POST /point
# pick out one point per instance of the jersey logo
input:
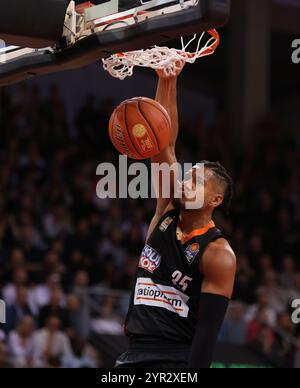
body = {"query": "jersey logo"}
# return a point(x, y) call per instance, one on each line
point(148, 293)
point(150, 260)
point(191, 252)
point(165, 224)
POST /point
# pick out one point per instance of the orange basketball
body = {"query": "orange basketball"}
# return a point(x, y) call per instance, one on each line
point(140, 128)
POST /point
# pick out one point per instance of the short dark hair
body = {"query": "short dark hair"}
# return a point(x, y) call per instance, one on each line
point(222, 175)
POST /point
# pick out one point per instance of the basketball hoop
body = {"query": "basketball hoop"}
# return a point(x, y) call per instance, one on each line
point(122, 65)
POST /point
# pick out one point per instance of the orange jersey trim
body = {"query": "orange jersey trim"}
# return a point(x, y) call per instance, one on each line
point(197, 232)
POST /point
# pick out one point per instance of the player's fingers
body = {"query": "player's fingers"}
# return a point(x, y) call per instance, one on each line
point(179, 65)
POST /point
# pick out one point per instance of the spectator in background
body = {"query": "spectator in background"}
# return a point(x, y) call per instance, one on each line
point(83, 239)
point(264, 343)
point(74, 316)
point(294, 292)
point(32, 158)
point(15, 312)
point(255, 248)
point(277, 296)
point(17, 260)
point(55, 307)
point(135, 240)
point(20, 344)
point(4, 361)
point(30, 241)
point(127, 277)
point(259, 321)
point(41, 294)
point(265, 265)
point(287, 272)
point(2, 336)
point(262, 304)
point(58, 247)
point(286, 330)
point(234, 330)
point(51, 345)
point(80, 357)
point(81, 280)
point(52, 264)
point(244, 287)
point(114, 248)
point(109, 321)
point(58, 222)
point(80, 290)
point(244, 268)
point(19, 279)
point(75, 262)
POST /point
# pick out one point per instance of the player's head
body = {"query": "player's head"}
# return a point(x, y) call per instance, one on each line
point(206, 186)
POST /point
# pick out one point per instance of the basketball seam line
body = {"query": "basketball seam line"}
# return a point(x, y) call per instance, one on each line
point(163, 111)
point(149, 123)
point(111, 122)
point(129, 133)
point(111, 129)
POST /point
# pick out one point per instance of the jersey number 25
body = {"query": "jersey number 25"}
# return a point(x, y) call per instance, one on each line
point(180, 280)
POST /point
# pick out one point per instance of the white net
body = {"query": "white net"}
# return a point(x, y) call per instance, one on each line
point(122, 65)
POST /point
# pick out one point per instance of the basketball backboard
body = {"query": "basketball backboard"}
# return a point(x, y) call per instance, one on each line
point(94, 30)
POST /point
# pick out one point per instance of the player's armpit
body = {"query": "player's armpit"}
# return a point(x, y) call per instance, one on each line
point(219, 269)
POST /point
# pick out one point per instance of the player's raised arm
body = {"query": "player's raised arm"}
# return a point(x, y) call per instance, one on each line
point(166, 95)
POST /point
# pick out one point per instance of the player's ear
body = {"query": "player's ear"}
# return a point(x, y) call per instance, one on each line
point(216, 200)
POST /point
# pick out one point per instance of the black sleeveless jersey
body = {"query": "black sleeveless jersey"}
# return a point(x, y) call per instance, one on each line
point(165, 298)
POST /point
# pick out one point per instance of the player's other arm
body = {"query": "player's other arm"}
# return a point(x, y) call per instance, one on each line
point(166, 95)
point(219, 268)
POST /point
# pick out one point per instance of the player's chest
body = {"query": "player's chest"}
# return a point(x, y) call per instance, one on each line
point(165, 259)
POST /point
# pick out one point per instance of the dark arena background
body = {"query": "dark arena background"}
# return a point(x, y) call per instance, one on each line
point(68, 259)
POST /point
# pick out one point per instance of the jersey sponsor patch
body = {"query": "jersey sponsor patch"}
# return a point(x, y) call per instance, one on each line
point(150, 259)
point(165, 224)
point(148, 293)
point(191, 252)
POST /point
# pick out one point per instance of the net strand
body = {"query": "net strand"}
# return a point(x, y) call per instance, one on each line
point(122, 65)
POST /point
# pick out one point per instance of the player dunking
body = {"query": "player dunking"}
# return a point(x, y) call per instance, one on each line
point(186, 272)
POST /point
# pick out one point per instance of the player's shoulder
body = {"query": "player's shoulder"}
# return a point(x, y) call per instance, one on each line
point(220, 244)
point(219, 253)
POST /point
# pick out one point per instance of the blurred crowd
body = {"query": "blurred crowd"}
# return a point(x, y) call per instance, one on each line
point(58, 240)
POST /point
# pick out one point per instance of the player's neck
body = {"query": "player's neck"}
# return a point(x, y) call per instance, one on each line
point(191, 220)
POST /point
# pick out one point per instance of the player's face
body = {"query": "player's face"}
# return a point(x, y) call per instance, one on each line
point(198, 190)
